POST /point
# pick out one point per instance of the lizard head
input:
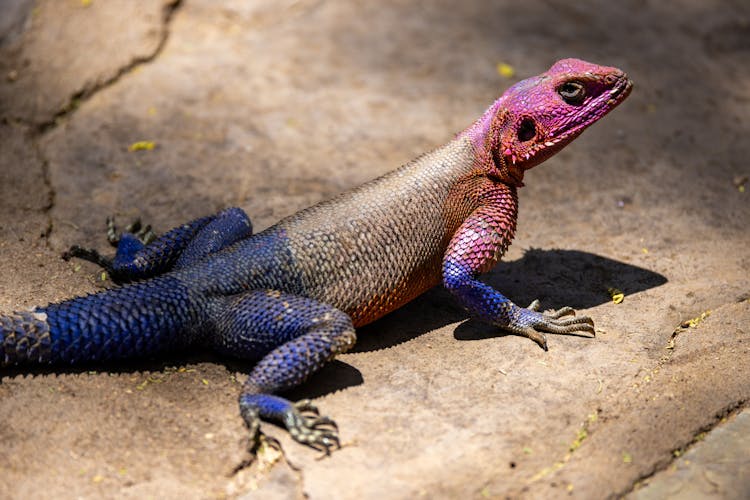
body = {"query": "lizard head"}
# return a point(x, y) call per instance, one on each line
point(537, 117)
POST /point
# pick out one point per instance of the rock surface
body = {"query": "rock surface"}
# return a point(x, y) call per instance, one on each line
point(273, 106)
point(718, 466)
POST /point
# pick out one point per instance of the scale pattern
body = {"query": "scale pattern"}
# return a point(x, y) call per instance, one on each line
point(135, 320)
point(371, 250)
point(476, 247)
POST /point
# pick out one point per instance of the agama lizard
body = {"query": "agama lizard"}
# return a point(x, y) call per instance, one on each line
point(290, 297)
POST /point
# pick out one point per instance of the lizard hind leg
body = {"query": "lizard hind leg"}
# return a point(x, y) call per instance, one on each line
point(225, 228)
point(140, 254)
point(292, 337)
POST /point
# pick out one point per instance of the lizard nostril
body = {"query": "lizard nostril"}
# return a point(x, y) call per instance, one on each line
point(611, 79)
point(526, 130)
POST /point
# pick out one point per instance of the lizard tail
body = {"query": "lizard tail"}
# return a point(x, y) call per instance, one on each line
point(134, 320)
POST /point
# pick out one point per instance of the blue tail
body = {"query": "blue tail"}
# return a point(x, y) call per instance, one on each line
point(135, 320)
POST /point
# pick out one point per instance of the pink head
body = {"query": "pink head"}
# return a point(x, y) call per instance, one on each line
point(537, 117)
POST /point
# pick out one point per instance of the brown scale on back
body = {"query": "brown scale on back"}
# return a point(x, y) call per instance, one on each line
point(393, 232)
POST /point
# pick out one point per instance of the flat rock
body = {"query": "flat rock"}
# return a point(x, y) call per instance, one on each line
point(53, 53)
point(718, 466)
point(273, 106)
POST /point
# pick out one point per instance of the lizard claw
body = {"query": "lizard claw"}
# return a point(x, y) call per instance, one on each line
point(301, 419)
point(531, 323)
point(142, 233)
point(552, 313)
point(559, 313)
point(313, 430)
point(306, 405)
point(534, 306)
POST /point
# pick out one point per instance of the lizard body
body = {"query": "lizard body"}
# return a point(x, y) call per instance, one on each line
point(291, 296)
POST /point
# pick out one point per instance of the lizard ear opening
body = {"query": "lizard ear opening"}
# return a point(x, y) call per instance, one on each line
point(526, 130)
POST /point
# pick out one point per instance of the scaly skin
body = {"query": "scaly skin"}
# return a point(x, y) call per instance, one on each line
point(291, 296)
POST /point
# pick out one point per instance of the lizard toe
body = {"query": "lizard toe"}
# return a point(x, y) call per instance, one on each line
point(532, 324)
point(578, 325)
point(320, 433)
point(580, 320)
point(559, 313)
point(304, 405)
point(532, 333)
point(251, 416)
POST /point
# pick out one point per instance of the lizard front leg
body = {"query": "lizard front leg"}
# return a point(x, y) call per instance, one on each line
point(292, 337)
point(475, 248)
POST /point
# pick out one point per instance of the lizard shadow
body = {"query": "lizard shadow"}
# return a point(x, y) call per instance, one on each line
point(556, 277)
point(334, 376)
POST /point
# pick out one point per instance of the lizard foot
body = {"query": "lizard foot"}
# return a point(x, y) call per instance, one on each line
point(306, 426)
point(142, 233)
point(531, 323)
point(301, 419)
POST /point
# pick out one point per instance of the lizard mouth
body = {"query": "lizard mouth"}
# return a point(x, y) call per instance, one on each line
point(620, 91)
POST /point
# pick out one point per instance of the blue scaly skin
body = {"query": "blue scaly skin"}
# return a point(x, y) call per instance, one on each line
point(289, 298)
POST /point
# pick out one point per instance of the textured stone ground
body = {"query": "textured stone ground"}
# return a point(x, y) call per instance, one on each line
point(273, 106)
point(718, 466)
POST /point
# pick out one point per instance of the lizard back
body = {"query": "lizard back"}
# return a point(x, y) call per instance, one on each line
point(372, 249)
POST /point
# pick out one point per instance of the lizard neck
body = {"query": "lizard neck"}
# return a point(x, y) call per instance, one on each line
point(486, 135)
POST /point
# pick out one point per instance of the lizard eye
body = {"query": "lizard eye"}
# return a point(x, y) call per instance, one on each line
point(572, 92)
point(526, 130)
